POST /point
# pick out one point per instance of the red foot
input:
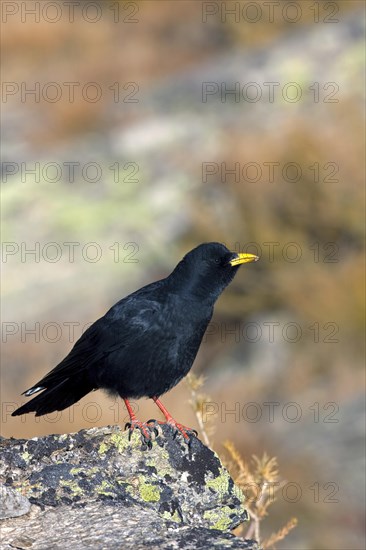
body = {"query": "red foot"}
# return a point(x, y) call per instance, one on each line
point(186, 432)
point(145, 427)
point(149, 427)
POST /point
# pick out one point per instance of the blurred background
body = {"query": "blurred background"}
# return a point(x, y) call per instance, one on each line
point(133, 131)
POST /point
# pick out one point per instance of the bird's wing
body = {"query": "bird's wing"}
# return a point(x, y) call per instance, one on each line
point(121, 327)
point(85, 352)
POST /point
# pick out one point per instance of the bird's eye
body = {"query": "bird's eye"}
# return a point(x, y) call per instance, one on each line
point(217, 261)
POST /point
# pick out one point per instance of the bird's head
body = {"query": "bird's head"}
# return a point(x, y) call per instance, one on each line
point(207, 269)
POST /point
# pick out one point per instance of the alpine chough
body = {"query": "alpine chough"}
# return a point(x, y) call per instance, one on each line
point(146, 343)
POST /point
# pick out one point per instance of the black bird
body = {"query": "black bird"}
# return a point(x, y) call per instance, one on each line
point(146, 343)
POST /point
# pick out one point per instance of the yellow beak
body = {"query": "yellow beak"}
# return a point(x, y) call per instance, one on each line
point(243, 259)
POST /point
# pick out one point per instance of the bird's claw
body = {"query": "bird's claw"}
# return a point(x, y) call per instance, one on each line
point(147, 442)
point(150, 427)
point(187, 433)
point(153, 425)
point(145, 430)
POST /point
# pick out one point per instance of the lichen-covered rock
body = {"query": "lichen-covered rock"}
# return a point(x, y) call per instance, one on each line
point(110, 487)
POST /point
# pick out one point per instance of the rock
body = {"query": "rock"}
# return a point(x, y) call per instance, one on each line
point(12, 503)
point(95, 489)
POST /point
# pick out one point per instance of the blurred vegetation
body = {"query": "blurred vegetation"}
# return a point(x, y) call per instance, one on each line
point(257, 482)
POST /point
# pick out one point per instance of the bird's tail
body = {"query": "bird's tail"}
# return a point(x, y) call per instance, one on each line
point(55, 398)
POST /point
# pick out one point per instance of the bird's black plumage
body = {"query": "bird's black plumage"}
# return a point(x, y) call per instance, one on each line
point(147, 342)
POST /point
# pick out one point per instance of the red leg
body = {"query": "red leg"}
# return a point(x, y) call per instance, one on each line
point(144, 427)
point(186, 432)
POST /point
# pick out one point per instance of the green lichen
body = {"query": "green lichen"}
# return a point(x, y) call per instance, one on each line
point(120, 441)
point(26, 456)
point(103, 448)
point(106, 489)
point(73, 486)
point(238, 493)
point(140, 487)
point(219, 519)
point(172, 517)
point(220, 484)
point(148, 492)
point(161, 462)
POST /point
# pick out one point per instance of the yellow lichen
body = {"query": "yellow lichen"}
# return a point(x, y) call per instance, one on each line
point(219, 519)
